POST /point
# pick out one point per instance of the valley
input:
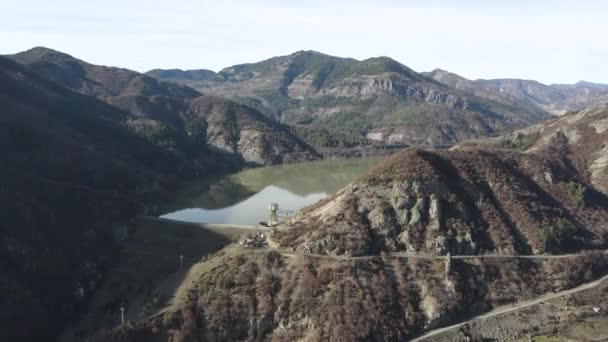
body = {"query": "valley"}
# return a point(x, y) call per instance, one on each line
point(352, 260)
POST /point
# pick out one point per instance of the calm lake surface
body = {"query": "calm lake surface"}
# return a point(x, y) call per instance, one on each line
point(243, 197)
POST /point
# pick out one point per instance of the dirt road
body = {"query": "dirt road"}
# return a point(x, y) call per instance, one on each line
point(514, 307)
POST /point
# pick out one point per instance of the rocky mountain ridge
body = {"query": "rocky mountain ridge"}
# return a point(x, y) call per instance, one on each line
point(377, 97)
point(555, 98)
point(82, 161)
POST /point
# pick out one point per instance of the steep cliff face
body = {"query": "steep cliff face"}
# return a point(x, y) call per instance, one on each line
point(515, 101)
point(392, 84)
point(378, 98)
point(461, 201)
point(175, 117)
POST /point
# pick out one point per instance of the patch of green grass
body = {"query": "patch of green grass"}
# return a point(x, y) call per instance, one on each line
point(521, 142)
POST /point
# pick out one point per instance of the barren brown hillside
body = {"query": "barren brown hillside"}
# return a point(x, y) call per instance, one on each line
point(466, 201)
point(249, 296)
point(581, 137)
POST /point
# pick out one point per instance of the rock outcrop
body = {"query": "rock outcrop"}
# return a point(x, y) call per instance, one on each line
point(459, 202)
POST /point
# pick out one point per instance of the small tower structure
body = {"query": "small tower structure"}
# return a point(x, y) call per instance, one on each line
point(274, 216)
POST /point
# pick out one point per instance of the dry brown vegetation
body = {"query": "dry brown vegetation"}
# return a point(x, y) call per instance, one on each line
point(486, 201)
point(580, 137)
point(264, 296)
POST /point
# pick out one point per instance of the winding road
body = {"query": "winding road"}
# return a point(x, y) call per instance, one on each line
point(495, 312)
point(514, 307)
point(406, 255)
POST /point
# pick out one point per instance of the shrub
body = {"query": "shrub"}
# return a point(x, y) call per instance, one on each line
point(559, 237)
point(521, 142)
point(577, 191)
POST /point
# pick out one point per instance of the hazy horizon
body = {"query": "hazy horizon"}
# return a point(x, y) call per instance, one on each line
point(548, 41)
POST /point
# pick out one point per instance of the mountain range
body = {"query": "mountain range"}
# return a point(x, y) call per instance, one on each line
point(86, 148)
point(379, 98)
point(555, 98)
point(175, 117)
point(384, 100)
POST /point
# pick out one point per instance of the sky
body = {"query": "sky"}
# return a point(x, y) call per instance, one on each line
point(552, 41)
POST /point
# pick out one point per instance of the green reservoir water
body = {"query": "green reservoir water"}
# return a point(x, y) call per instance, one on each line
point(243, 197)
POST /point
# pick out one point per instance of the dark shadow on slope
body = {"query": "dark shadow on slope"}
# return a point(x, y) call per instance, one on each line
point(549, 201)
point(449, 173)
point(147, 272)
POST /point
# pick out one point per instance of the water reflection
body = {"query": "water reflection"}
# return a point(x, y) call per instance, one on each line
point(243, 198)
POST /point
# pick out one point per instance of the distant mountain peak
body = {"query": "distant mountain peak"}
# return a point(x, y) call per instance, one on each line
point(344, 93)
point(42, 53)
point(439, 70)
point(308, 52)
point(45, 50)
point(381, 59)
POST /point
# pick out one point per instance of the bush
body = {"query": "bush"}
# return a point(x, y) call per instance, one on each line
point(521, 142)
point(577, 191)
point(559, 237)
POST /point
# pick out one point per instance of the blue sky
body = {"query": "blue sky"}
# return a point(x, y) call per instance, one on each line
point(559, 41)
